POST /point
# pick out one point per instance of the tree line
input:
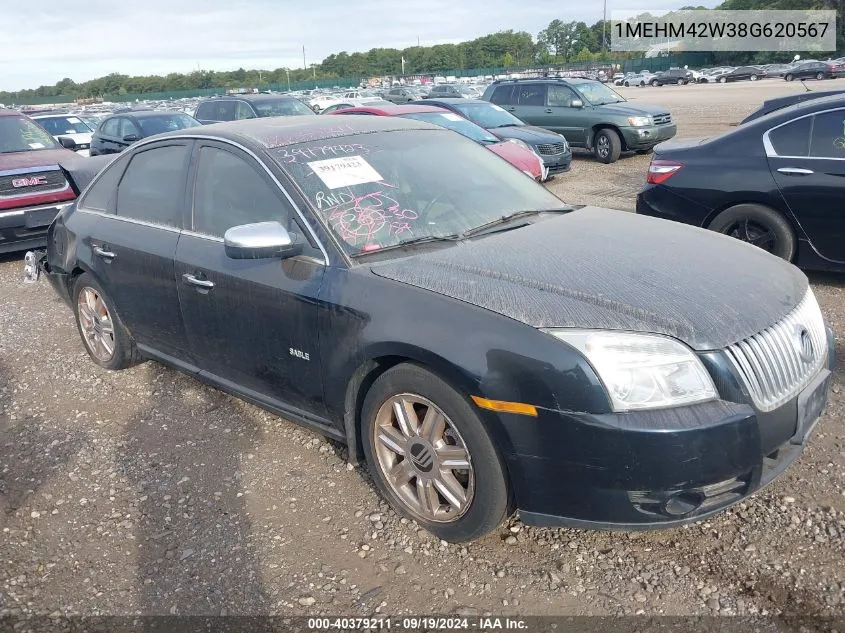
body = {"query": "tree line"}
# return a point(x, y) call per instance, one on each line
point(561, 42)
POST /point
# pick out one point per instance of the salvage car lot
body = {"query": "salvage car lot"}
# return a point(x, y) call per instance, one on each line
point(146, 491)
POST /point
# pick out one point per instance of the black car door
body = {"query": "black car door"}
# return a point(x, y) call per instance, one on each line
point(807, 159)
point(251, 323)
point(129, 133)
point(134, 218)
point(103, 142)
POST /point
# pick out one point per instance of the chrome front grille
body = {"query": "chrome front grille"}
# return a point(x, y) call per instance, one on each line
point(777, 363)
point(662, 119)
point(28, 183)
point(550, 149)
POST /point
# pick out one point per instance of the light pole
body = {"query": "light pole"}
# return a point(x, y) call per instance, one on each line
point(287, 71)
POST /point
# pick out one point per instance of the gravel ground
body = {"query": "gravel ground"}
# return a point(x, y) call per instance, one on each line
point(145, 492)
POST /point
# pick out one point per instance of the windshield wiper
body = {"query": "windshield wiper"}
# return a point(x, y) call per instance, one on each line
point(509, 218)
point(422, 239)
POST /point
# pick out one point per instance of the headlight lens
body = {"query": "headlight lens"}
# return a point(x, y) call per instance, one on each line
point(642, 371)
point(522, 144)
point(639, 121)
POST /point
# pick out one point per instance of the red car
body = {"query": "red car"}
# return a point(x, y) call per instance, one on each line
point(514, 151)
point(35, 183)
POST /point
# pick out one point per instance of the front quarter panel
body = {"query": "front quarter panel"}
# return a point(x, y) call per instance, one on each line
point(368, 318)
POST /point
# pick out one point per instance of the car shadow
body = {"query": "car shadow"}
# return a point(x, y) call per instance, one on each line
point(182, 456)
point(826, 278)
point(587, 155)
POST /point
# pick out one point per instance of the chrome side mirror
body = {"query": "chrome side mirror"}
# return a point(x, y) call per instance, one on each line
point(576, 103)
point(261, 240)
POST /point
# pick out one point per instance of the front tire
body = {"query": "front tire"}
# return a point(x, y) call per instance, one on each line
point(607, 146)
point(103, 334)
point(753, 77)
point(758, 225)
point(654, 83)
point(819, 76)
point(723, 80)
point(680, 82)
point(430, 455)
point(788, 78)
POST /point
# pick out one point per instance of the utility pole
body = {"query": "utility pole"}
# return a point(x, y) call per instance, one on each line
point(604, 27)
point(288, 74)
point(304, 67)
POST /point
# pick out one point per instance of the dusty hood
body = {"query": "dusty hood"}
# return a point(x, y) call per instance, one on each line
point(597, 268)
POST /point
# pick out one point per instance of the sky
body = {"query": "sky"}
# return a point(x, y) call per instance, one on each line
point(51, 39)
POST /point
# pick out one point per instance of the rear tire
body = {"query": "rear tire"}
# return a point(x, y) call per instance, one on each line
point(758, 225)
point(654, 83)
point(103, 334)
point(753, 77)
point(422, 491)
point(680, 82)
point(819, 76)
point(723, 80)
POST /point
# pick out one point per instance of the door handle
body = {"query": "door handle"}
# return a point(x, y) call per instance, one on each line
point(795, 171)
point(549, 111)
point(199, 283)
point(99, 251)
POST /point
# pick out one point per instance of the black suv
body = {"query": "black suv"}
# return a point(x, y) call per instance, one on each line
point(588, 113)
point(679, 76)
point(237, 107)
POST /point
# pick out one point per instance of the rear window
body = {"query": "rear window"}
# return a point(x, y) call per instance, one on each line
point(64, 125)
point(20, 134)
point(792, 139)
point(166, 123)
point(281, 107)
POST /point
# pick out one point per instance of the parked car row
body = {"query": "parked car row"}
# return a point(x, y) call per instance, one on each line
point(620, 390)
point(806, 69)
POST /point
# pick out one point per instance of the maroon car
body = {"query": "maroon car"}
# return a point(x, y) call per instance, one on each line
point(35, 181)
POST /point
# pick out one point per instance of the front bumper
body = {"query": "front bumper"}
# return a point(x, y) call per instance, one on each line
point(652, 469)
point(557, 163)
point(26, 228)
point(648, 136)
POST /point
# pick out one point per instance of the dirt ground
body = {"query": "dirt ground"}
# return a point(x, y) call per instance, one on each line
point(145, 492)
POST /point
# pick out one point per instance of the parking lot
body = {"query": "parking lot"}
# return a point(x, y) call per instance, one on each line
point(146, 492)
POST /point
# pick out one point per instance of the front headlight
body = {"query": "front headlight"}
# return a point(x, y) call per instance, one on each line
point(522, 144)
point(639, 121)
point(642, 371)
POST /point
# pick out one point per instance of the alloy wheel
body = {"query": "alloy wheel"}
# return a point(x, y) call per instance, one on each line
point(423, 458)
point(603, 146)
point(753, 233)
point(97, 325)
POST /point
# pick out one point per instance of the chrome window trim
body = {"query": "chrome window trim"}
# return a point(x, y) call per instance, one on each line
point(123, 218)
point(770, 149)
point(202, 236)
point(205, 137)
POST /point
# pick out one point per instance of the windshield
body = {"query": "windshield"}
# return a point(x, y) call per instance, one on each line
point(19, 134)
point(597, 93)
point(166, 123)
point(380, 189)
point(454, 122)
point(281, 107)
point(487, 115)
point(64, 125)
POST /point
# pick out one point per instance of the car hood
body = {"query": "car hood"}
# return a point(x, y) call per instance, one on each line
point(35, 158)
point(597, 268)
point(628, 109)
point(528, 133)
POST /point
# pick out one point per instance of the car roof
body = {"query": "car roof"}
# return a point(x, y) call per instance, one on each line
point(254, 97)
point(458, 100)
point(808, 106)
point(274, 132)
point(147, 114)
point(393, 110)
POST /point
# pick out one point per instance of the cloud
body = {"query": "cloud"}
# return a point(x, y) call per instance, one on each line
point(84, 39)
